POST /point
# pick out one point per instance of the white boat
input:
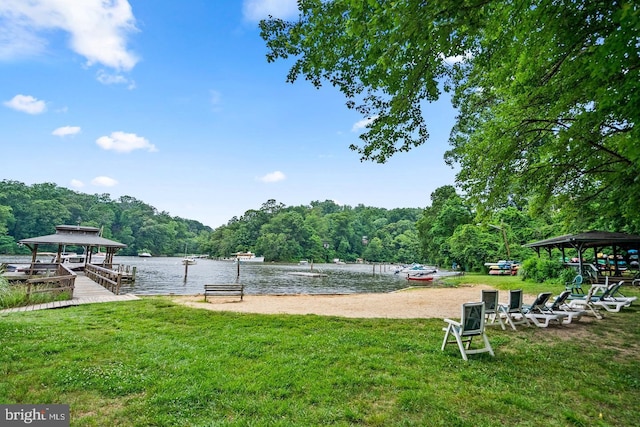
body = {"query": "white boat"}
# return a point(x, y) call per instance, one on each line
point(41, 258)
point(144, 255)
point(189, 260)
point(72, 261)
point(417, 270)
point(98, 258)
point(248, 257)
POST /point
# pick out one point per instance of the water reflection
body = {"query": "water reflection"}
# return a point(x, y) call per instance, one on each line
point(167, 275)
point(161, 275)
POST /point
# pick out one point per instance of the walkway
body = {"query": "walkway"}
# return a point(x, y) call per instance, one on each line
point(86, 292)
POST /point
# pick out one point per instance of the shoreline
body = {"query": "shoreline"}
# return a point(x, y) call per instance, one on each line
point(409, 303)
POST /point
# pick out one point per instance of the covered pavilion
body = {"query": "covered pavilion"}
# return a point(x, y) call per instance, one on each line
point(597, 240)
point(75, 235)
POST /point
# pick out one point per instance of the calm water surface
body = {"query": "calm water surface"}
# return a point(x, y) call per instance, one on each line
point(164, 275)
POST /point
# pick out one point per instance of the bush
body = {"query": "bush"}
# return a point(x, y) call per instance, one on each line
point(540, 270)
point(16, 295)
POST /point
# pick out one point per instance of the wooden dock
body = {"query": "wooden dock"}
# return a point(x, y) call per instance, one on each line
point(86, 292)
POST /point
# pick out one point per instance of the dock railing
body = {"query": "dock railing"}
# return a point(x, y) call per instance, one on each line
point(107, 278)
point(64, 280)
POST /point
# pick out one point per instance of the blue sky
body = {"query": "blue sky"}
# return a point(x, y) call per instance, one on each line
point(174, 103)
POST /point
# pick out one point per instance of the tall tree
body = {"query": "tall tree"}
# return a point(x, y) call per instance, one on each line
point(547, 90)
point(439, 221)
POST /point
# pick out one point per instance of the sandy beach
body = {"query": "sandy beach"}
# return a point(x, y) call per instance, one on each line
point(404, 304)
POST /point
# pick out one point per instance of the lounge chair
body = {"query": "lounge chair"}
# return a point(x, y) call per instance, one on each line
point(471, 325)
point(513, 311)
point(560, 306)
point(603, 300)
point(575, 286)
point(585, 303)
point(538, 313)
point(617, 295)
point(491, 310)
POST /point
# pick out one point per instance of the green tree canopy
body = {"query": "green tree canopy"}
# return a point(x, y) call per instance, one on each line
point(547, 91)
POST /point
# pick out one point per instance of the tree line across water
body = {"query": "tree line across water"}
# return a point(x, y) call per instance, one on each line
point(449, 230)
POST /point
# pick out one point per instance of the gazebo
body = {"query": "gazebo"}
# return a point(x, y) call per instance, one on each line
point(75, 235)
point(590, 239)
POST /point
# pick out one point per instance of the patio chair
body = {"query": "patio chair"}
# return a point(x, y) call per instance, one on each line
point(513, 311)
point(585, 303)
point(491, 311)
point(471, 325)
point(603, 300)
point(560, 306)
point(575, 286)
point(538, 313)
point(617, 295)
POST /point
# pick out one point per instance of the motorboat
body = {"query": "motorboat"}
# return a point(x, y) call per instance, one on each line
point(417, 270)
point(421, 278)
point(248, 257)
point(144, 255)
point(189, 260)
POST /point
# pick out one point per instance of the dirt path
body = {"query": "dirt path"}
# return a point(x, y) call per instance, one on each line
point(406, 304)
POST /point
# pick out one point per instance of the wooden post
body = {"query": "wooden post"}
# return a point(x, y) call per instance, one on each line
point(238, 268)
point(186, 269)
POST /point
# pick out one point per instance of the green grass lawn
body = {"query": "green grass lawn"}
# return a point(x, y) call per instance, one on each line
point(154, 363)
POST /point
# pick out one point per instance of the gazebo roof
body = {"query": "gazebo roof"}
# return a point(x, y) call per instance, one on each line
point(589, 239)
point(74, 235)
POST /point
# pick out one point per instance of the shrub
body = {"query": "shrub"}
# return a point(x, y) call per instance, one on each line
point(16, 295)
point(540, 270)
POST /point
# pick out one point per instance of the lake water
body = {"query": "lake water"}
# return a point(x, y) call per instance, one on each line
point(165, 275)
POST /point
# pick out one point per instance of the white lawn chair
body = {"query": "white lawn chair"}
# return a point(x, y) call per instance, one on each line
point(604, 300)
point(471, 325)
point(491, 308)
point(585, 303)
point(560, 306)
point(539, 314)
point(513, 311)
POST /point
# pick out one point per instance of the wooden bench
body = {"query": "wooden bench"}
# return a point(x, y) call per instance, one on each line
point(233, 289)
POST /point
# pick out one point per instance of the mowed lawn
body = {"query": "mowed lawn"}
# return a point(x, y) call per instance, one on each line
point(155, 363)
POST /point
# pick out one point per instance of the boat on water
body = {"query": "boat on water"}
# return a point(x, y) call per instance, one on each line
point(417, 270)
point(247, 257)
point(421, 277)
point(71, 260)
point(189, 260)
point(144, 255)
point(76, 262)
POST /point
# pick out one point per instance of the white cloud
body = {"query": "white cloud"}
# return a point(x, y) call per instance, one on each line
point(26, 104)
point(452, 60)
point(123, 142)
point(76, 183)
point(362, 124)
point(255, 10)
point(104, 181)
point(16, 41)
point(112, 79)
point(273, 177)
point(66, 130)
point(98, 29)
